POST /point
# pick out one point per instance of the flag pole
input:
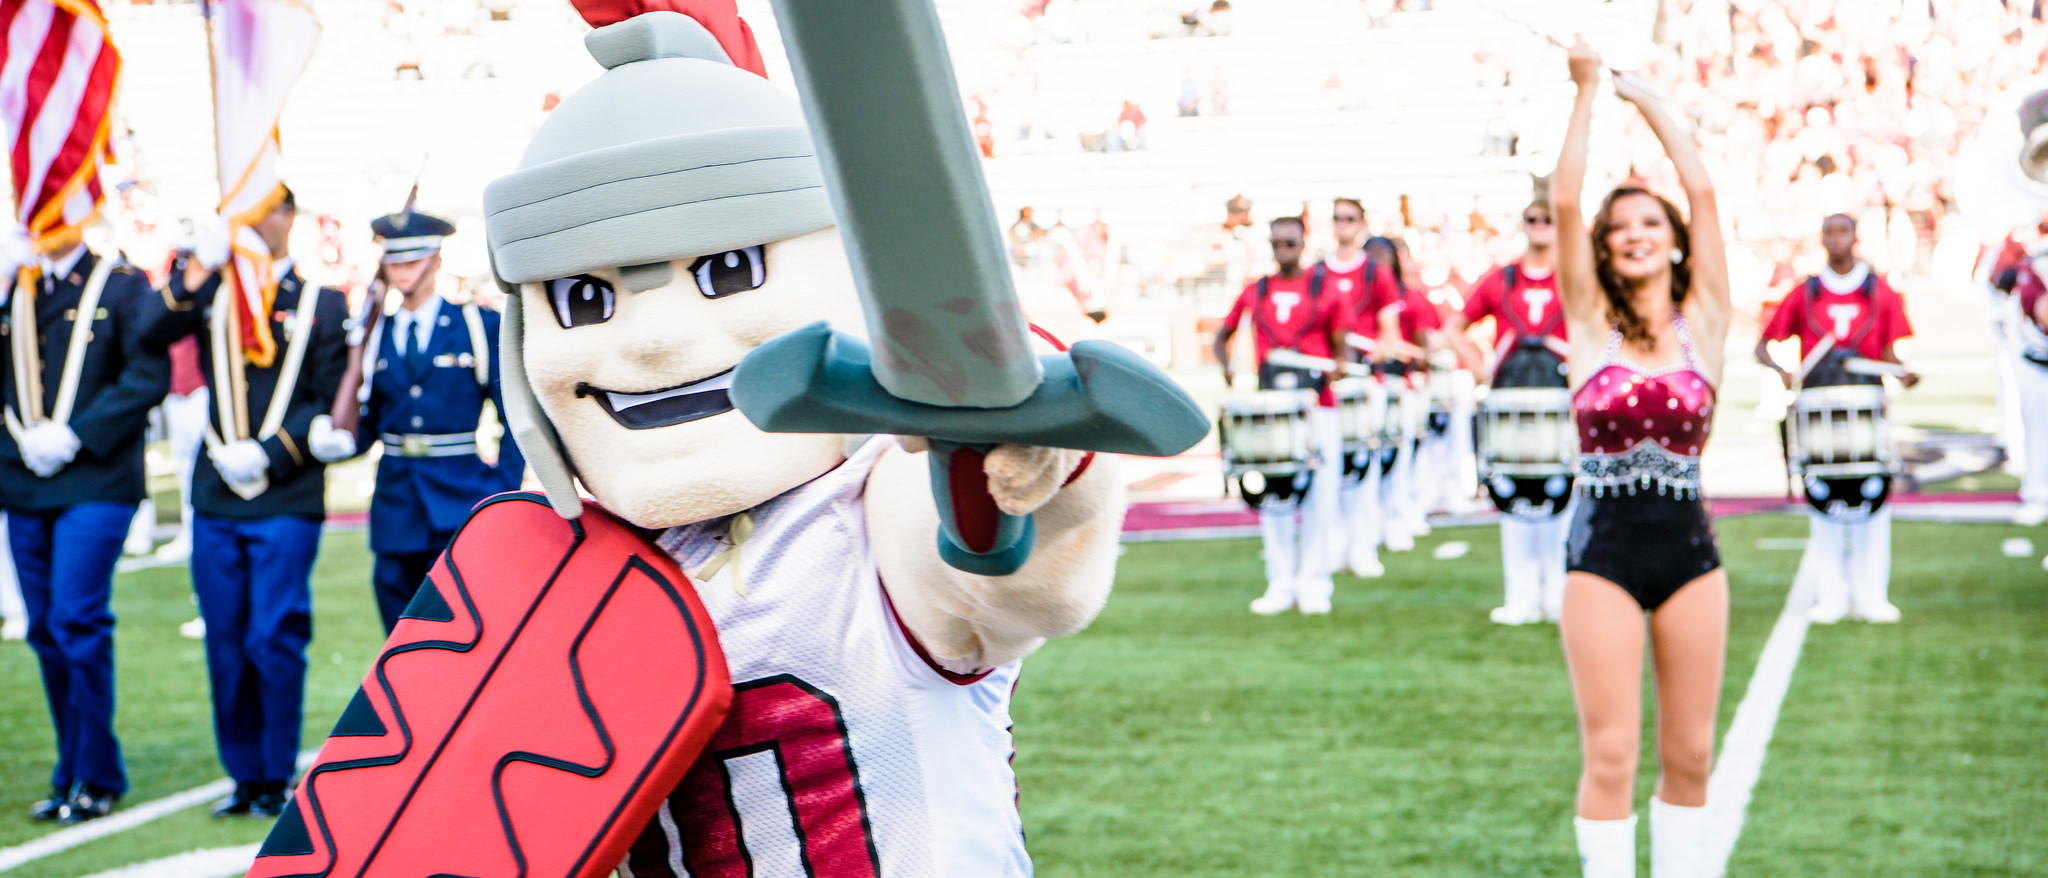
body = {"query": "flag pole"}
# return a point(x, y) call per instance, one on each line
point(234, 404)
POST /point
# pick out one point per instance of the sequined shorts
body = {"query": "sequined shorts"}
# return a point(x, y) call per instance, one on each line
point(1649, 543)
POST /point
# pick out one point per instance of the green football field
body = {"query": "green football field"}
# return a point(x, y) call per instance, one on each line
point(1402, 735)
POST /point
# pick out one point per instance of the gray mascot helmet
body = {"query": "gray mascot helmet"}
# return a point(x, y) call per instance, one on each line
point(672, 153)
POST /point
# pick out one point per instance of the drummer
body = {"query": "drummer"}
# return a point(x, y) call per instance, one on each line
point(1846, 311)
point(1529, 351)
point(1409, 331)
point(1364, 287)
point(1289, 310)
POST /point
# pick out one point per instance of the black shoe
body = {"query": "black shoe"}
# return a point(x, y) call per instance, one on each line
point(237, 803)
point(269, 803)
point(87, 802)
point(50, 808)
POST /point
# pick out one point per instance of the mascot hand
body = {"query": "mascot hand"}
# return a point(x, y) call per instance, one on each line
point(1021, 478)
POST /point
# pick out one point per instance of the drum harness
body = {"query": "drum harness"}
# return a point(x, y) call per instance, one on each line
point(1527, 337)
point(1269, 373)
point(1825, 364)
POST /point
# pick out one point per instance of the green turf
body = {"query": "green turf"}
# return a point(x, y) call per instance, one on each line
point(1918, 749)
point(1402, 735)
point(164, 717)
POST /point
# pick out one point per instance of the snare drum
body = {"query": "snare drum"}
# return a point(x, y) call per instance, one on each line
point(1839, 432)
point(1527, 447)
point(1361, 413)
point(1442, 395)
point(1266, 431)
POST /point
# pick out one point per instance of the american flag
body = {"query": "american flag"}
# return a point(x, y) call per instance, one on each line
point(57, 73)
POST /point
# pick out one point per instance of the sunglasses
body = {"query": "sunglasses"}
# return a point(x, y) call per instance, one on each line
point(1535, 219)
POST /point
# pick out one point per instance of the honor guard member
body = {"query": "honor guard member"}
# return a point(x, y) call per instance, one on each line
point(80, 381)
point(1288, 311)
point(1363, 286)
point(1529, 351)
point(1846, 311)
point(429, 370)
point(257, 494)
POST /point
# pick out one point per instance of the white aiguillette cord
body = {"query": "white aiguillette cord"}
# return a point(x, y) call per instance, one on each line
point(736, 534)
point(287, 378)
point(28, 361)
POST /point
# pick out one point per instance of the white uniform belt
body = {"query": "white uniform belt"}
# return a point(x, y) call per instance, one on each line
point(429, 444)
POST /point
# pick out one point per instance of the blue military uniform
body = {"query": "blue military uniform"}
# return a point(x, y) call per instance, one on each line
point(66, 529)
point(424, 403)
point(252, 557)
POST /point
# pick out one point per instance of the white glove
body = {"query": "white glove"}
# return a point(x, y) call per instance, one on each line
point(15, 252)
point(48, 447)
point(210, 241)
point(330, 444)
point(241, 462)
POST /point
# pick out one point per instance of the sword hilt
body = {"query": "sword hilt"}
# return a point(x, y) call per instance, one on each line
point(1095, 397)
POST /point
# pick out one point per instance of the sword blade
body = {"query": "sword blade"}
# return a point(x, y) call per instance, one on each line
point(906, 185)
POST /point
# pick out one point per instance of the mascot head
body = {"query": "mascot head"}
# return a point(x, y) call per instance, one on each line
point(665, 220)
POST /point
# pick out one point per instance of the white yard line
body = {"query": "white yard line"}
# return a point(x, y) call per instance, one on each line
point(121, 820)
point(209, 863)
point(1749, 735)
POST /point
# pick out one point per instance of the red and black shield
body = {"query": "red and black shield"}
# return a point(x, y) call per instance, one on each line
point(550, 684)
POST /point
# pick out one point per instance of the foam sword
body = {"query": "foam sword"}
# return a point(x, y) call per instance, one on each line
point(948, 353)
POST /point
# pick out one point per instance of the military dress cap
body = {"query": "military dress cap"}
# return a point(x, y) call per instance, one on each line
point(410, 235)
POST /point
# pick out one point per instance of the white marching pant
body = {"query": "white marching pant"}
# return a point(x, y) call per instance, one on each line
point(1360, 502)
point(1322, 517)
point(1849, 562)
point(185, 422)
point(1532, 562)
point(2030, 380)
point(1278, 531)
point(1402, 509)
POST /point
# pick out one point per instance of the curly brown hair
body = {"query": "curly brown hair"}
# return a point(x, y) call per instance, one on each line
point(1619, 302)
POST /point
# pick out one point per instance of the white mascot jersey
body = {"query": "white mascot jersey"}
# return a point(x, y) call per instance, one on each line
point(846, 752)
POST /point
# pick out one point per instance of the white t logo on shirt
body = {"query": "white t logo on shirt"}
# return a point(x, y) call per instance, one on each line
point(1844, 317)
point(1283, 304)
point(1537, 300)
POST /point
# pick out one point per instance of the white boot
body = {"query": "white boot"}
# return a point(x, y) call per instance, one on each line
point(1678, 840)
point(1312, 594)
point(1279, 598)
point(1607, 848)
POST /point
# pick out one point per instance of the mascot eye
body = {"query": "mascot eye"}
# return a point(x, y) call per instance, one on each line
point(734, 271)
point(580, 301)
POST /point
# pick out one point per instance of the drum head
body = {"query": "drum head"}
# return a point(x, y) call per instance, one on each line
point(1848, 499)
point(1530, 497)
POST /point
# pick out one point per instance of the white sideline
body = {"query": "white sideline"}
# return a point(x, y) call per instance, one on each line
point(1749, 734)
point(209, 863)
point(121, 820)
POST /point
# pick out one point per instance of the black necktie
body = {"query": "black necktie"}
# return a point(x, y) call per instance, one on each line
point(415, 353)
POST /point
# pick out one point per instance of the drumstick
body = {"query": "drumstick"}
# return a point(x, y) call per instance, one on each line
point(1298, 360)
point(1866, 366)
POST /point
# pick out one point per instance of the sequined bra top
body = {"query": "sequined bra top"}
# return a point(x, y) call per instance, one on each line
point(1640, 428)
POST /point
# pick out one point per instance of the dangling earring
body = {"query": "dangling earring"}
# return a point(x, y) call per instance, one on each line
point(1678, 257)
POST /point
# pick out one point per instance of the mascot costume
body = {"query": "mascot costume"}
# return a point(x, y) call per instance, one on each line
point(779, 633)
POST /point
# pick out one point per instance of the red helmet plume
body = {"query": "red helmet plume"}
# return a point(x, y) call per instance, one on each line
point(720, 17)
